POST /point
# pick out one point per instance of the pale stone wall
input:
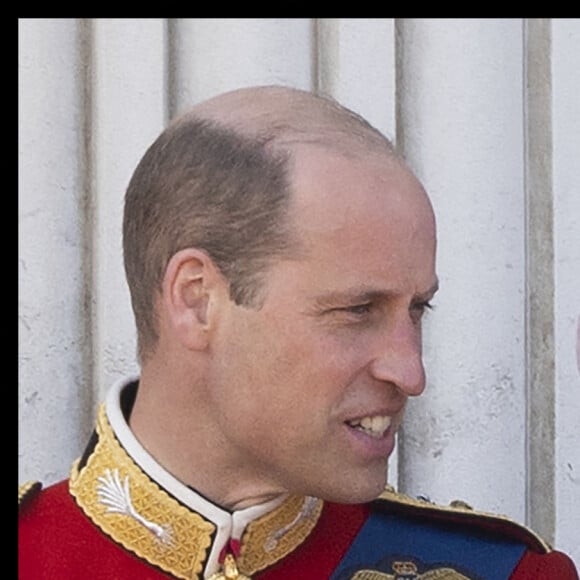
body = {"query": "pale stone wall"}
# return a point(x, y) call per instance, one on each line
point(488, 114)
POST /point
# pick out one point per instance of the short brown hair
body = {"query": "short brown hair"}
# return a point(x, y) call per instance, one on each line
point(201, 185)
point(226, 190)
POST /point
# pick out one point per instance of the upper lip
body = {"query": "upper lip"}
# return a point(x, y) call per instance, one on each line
point(380, 412)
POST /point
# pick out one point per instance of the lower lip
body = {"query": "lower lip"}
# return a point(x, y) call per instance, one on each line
point(372, 447)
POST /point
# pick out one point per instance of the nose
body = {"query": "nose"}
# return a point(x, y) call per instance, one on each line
point(399, 359)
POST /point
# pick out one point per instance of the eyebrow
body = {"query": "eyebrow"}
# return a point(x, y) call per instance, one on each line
point(430, 293)
point(367, 294)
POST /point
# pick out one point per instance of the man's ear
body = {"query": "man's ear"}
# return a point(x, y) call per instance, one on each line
point(189, 283)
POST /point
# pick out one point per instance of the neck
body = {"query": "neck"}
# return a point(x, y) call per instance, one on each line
point(173, 426)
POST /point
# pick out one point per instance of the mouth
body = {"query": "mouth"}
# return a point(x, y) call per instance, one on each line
point(374, 426)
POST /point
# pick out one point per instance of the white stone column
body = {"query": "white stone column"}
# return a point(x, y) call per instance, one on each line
point(54, 389)
point(213, 55)
point(461, 125)
point(540, 291)
point(566, 157)
point(356, 65)
point(128, 98)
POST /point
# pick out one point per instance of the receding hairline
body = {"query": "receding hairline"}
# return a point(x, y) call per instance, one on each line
point(282, 117)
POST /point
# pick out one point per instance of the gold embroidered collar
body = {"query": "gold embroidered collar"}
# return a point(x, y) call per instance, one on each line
point(131, 507)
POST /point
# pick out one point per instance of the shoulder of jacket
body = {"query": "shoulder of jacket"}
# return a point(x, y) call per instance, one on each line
point(27, 491)
point(461, 513)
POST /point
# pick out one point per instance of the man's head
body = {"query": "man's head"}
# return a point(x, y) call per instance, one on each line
point(288, 255)
point(218, 179)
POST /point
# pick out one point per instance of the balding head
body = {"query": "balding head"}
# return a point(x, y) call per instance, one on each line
point(218, 179)
point(287, 116)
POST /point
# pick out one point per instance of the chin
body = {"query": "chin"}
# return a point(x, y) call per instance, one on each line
point(357, 491)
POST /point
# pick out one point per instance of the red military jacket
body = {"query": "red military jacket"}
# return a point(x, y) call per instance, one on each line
point(120, 515)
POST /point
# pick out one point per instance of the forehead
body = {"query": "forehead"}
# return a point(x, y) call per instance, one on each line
point(361, 220)
point(334, 193)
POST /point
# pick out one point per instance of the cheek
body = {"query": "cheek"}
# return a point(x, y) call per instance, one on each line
point(261, 373)
point(282, 366)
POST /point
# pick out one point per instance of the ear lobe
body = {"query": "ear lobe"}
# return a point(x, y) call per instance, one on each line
point(186, 292)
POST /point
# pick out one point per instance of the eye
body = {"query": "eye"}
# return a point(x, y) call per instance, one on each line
point(358, 309)
point(418, 310)
point(353, 314)
point(362, 312)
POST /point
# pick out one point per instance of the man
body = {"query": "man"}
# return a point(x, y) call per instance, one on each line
point(280, 257)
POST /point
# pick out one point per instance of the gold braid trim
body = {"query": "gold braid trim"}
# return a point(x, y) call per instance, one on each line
point(458, 507)
point(438, 574)
point(152, 524)
point(135, 512)
point(28, 490)
point(278, 533)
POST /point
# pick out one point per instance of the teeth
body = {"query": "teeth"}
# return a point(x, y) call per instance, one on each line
point(373, 426)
